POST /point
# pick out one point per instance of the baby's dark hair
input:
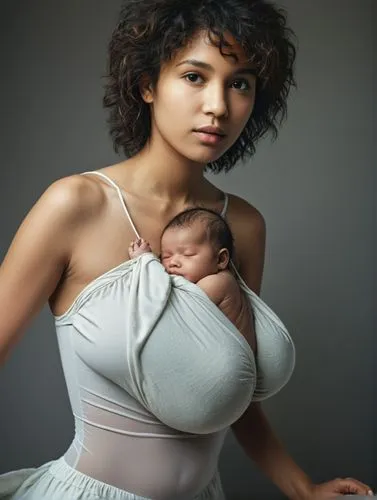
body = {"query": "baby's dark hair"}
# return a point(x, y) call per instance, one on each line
point(150, 32)
point(217, 228)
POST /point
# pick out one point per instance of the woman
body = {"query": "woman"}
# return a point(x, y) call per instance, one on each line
point(191, 85)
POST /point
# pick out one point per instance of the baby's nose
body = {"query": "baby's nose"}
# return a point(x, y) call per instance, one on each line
point(174, 262)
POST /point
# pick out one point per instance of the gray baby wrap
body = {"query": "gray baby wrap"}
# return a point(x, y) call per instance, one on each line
point(187, 363)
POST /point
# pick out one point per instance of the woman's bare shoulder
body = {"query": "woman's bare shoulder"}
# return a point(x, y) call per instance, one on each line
point(249, 231)
point(74, 195)
point(241, 212)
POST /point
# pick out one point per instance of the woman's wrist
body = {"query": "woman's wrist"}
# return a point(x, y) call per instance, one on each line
point(302, 490)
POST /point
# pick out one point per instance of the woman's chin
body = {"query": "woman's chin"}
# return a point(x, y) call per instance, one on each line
point(206, 157)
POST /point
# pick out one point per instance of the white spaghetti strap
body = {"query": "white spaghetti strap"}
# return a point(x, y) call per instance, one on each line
point(235, 270)
point(240, 278)
point(225, 207)
point(110, 181)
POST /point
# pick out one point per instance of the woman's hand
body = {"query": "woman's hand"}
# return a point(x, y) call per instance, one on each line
point(338, 487)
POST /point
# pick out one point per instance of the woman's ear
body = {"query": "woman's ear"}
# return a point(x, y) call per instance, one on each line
point(223, 259)
point(146, 89)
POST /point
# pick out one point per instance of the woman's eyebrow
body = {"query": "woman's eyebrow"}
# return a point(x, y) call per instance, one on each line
point(208, 67)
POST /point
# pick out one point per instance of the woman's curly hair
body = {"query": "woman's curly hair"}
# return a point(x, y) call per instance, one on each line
point(150, 32)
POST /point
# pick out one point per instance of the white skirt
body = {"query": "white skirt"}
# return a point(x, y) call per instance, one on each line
point(56, 480)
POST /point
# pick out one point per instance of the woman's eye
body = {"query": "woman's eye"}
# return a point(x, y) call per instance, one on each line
point(241, 84)
point(193, 77)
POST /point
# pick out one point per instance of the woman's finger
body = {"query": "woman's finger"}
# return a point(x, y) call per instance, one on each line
point(353, 486)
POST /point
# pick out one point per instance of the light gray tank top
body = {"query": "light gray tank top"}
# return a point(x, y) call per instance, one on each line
point(148, 355)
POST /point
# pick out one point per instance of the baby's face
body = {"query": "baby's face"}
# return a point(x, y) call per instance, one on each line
point(187, 251)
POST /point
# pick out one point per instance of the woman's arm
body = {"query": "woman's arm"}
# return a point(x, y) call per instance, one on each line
point(260, 443)
point(37, 258)
point(252, 430)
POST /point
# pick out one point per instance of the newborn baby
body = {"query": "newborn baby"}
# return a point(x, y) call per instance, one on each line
point(198, 245)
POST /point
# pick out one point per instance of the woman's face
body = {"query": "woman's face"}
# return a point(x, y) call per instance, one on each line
point(200, 88)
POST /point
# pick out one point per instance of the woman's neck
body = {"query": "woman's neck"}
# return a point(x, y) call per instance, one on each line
point(161, 174)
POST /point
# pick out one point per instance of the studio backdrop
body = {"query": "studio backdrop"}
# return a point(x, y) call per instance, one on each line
point(315, 186)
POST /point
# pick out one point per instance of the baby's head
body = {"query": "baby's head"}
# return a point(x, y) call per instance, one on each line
point(195, 243)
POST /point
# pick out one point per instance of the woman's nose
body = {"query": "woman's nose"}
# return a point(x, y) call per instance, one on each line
point(215, 102)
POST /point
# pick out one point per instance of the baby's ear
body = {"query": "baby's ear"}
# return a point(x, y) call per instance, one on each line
point(223, 259)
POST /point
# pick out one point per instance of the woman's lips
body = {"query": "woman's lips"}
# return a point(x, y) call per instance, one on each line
point(209, 138)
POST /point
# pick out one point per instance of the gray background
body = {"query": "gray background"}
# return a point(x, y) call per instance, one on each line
point(315, 186)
